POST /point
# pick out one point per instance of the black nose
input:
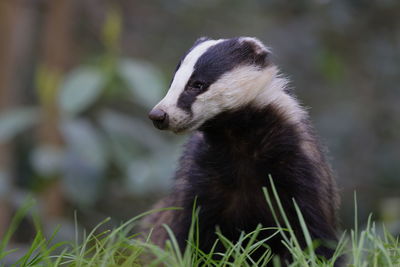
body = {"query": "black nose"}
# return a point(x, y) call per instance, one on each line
point(159, 118)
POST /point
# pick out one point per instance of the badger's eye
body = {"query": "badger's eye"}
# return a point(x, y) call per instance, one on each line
point(197, 86)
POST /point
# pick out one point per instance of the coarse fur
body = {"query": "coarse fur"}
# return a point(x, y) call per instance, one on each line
point(246, 126)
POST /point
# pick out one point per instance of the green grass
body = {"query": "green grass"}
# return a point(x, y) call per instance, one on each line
point(118, 247)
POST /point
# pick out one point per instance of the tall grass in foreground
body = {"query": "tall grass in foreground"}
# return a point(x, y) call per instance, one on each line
point(118, 247)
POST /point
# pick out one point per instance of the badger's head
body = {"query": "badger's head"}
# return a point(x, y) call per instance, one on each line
point(214, 76)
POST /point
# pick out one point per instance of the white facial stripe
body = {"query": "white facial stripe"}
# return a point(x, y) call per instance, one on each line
point(183, 74)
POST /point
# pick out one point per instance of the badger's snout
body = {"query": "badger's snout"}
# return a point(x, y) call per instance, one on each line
point(159, 118)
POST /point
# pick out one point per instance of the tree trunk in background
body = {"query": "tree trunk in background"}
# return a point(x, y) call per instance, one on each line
point(57, 52)
point(18, 19)
point(9, 15)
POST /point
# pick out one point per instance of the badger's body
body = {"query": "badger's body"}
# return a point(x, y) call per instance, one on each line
point(246, 126)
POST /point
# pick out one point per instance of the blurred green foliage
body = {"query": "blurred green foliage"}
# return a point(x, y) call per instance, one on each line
point(101, 142)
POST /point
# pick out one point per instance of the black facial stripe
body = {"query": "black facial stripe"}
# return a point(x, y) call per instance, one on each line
point(219, 59)
point(225, 56)
point(186, 99)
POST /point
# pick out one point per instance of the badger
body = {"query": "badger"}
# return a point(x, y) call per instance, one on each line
point(245, 124)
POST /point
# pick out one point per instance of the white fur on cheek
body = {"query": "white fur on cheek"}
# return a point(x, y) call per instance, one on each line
point(232, 90)
point(275, 93)
point(245, 85)
point(241, 86)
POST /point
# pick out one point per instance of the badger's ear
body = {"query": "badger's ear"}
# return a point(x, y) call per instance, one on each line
point(200, 40)
point(259, 52)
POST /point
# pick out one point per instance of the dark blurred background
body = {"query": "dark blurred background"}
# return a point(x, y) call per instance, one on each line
point(77, 79)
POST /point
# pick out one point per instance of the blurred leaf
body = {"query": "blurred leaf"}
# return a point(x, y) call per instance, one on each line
point(15, 121)
point(147, 159)
point(123, 126)
point(80, 89)
point(150, 175)
point(145, 81)
point(48, 160)
point(139, 178)
point(129, 137)
point(85, 162)
point(84, 140)
point(154, 173)
point(81, 181)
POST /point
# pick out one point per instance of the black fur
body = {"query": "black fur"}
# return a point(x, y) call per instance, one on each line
point(226, 164)
point(225, 56)
point(216, 61)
